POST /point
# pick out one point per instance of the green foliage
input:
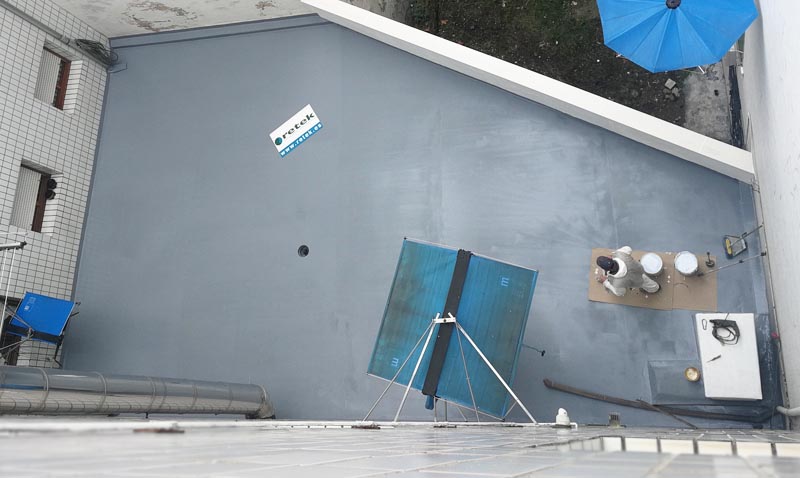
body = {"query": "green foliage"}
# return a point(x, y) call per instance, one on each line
point(562, 39)
point(420, 13)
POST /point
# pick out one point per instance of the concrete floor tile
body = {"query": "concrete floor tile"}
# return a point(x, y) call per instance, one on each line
point(776, 466)
point(406, 462)
point(748, 449)
point(788, 450)
point(714, 447)
point(625, 457)
point(648, 445)
point(188, 470)
point(304, 472)
point(677, 446)
point(413, 452)
point(433, 474)
point(300, 457)
point(502, 466)
point(581, 472)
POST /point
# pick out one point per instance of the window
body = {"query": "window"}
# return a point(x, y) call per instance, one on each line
point(34, 189)
point(51, 84)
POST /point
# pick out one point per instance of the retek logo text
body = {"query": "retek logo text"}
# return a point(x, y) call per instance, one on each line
point(297, 126)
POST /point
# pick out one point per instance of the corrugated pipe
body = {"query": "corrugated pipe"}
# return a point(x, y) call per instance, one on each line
point(45, 391)
point(789, 412)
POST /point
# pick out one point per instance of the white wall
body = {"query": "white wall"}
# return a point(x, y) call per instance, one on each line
point(53, 140)
point(770, 96)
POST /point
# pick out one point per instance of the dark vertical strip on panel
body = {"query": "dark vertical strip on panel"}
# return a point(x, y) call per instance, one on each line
point(446, 330)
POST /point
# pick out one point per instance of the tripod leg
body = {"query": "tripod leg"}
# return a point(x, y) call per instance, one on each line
point(466, 372)
point(391, 382)
point(5, 301)
point(459, 408)
point(509, 410)
point(496, 374)
point(416, 368)
point(461, 413)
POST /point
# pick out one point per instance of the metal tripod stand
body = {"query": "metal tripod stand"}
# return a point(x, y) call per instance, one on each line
point(427, 334)
point(5, 275)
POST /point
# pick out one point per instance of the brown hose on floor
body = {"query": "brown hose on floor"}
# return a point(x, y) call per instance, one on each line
point(761, 417)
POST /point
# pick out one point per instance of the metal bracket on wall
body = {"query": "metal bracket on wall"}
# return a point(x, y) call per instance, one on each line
point(117, 67)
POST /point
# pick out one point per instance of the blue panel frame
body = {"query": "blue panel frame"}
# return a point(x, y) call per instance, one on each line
point(43, 314)
point(494, 309)
point(419, 291)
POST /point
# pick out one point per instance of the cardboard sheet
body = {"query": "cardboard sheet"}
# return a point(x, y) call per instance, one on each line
point(677, 291)
point(696, 292)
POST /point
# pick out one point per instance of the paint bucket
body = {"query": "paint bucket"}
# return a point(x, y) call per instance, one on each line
point(652, 264)
point(686, 263)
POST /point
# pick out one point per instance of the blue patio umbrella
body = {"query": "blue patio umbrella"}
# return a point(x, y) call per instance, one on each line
point(667, 35)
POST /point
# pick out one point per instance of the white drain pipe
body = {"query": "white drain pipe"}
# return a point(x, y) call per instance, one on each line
point(789, 412)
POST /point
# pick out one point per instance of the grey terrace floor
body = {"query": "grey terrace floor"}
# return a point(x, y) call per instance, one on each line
point(148, 448)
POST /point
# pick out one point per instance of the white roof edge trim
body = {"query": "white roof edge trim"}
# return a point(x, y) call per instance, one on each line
point(649, 130)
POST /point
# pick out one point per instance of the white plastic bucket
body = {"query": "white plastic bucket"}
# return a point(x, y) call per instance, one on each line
point(686, 263)
point(652, 264)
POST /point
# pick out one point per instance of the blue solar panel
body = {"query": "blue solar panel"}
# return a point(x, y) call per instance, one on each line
point(418, 293)
point(494, 307)
point(43, 313)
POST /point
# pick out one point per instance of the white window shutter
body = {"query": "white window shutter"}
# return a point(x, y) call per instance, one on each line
point(25, 198)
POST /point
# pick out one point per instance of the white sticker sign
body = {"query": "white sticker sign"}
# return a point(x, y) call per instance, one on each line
point(295, 130)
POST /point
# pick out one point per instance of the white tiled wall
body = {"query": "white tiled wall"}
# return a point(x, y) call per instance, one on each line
point(771, 113)
point(55, 141)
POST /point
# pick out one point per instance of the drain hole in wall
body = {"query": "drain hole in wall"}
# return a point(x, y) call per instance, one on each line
point(302, 251)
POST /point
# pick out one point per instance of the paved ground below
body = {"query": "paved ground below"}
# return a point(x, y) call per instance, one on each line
point(140, 448)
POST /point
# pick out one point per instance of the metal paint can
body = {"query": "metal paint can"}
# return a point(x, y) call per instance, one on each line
point(652, 264)
point(686, 263)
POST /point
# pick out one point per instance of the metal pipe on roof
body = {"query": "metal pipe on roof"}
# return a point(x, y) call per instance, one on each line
point(789, 412)
point(12, 245)
point(44, 391)
point(41, 26)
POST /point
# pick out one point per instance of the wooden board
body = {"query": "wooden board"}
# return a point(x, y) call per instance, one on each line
point(677, 291)
point(730, 371)
point(661, 300)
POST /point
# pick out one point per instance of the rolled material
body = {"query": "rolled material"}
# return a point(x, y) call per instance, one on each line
point(41, 391)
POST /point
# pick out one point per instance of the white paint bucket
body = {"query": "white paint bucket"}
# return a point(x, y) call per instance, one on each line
point(652, 264)
point(686, 263)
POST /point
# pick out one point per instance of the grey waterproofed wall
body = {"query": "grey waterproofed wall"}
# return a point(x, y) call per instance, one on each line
point(189, 266)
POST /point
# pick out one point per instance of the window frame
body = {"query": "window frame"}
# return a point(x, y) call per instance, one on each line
point(62, 82)
point(39, 202)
